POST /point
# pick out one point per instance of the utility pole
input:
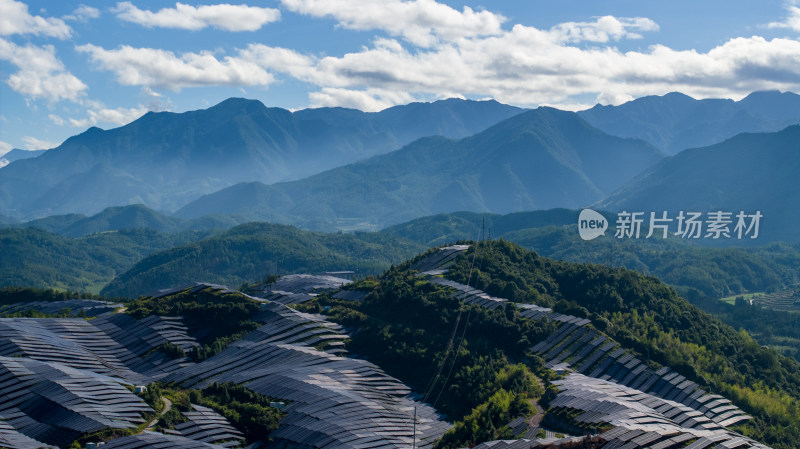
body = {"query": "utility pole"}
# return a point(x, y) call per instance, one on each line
point(414, 440)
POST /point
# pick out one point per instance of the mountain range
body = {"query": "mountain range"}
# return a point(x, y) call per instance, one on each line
point(164, 160)
point(539, 159)
point(134, 216)
point(17, 154)
point(675, 121)
point(750, 172)
point(369, 170)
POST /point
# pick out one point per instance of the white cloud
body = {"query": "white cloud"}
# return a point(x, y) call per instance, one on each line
point(366, 100)
point(611, 98)
point(150, 93)
point(117, 116)
point(438, 50)
point(83, 13)
point(421, 22)
point(603, 29)
point(528, 66)
point(56, 119)
point(32, 143)
point(5, 147)
point(223, 16)
point(280, 60)
point(792, 20)
point(154, 101)
point(40, 74)
point(15, 19)
point(524, 65)
point(161, 68)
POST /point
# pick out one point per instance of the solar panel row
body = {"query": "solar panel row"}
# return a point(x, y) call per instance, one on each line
point(54, 403)
point(72, 307)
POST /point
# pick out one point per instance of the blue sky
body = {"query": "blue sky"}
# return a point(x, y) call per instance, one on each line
point(65, 66)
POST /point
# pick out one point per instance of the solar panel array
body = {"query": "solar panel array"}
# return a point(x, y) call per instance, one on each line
point(64, 377)
point(138, 341)
point(55, 403)
point(437, 261)
point(74, 342)
point(12, 439)
point(206, 425)
point(576, 346)
point(153, 440)
point(332, 400)
point(526, 443)
point(299, 288)
point(72, 307)
point(642, 420)
point(293, 356)
point(113, 344)
point(594, 355)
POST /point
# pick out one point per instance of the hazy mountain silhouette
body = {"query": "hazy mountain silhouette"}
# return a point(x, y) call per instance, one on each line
point(164, 160)
point(675, 121)
point(750, 172)
point(539, 159)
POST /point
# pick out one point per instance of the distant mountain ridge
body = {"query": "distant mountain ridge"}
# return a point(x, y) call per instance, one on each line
point(38, 258)
point(250, 251)
point(540, 159)
point(221, 159)
point(750, 172)
point(17, 154)
point(134, 216)
point(164, 160)
point(675, 121)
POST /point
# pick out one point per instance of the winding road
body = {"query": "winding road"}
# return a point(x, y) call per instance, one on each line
point(167, 407)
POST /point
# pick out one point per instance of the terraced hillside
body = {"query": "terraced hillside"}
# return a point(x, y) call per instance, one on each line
point(619, 372)
point(608, 384)
point(294, 357)
point(787, 300)
point(464, 345)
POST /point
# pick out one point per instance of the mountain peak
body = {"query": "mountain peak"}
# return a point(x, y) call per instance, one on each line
point(766, 94)
point(237, 102)
point(678, 95)
point(773, 103)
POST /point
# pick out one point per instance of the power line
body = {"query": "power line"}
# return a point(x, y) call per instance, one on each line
point(432, 385)
point(464, 332)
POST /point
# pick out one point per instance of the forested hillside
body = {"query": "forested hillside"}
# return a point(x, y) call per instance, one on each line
point(697, 272)
point(251, 251)
point(643, 313)
point(37, 258)
point(403, 317)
